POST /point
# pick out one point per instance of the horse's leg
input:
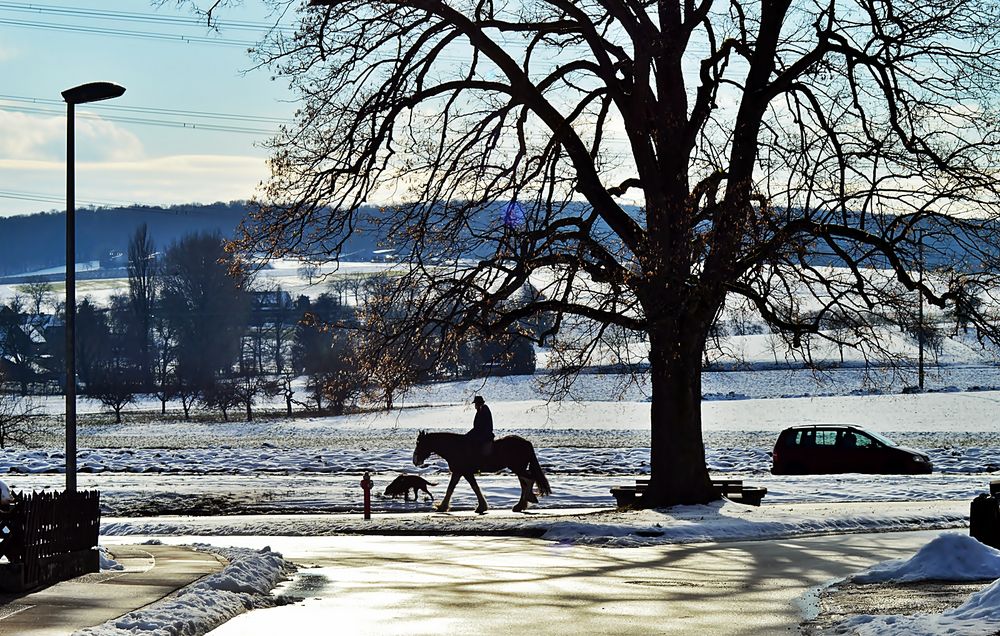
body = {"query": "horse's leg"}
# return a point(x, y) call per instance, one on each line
point(482, 507)
point(446, 502)
point(525, 490)
point(531, 491)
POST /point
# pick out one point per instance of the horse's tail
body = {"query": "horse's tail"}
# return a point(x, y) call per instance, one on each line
point(535, 469)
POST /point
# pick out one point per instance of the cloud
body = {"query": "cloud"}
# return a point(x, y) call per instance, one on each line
point(40, 137)
point(28, 136)
point(152, 181)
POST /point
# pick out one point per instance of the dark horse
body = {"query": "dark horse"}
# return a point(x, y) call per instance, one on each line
point(513, 452)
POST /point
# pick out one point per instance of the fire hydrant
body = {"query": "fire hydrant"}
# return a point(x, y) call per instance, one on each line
point(366, 485)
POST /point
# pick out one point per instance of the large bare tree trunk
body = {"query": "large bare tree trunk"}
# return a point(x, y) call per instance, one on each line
point(677, 453)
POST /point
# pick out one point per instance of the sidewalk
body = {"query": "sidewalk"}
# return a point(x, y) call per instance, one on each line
point(151, 572)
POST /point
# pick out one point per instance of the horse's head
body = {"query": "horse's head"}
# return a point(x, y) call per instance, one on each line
point(421, 452)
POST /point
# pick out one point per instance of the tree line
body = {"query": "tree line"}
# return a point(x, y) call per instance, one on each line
point(196, 327)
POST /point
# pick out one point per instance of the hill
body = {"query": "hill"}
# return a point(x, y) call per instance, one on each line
point(37, 241)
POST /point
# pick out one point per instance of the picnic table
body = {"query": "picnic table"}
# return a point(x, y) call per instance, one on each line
point(732, 489)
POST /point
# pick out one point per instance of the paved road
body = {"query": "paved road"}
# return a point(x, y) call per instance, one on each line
point(478, 585)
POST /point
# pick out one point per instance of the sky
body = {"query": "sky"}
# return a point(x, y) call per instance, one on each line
point(151, 145)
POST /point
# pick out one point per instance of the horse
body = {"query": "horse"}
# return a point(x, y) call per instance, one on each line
point(511, 452)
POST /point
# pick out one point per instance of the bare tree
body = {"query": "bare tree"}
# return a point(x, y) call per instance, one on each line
point(309, 270)
point(142, 273)
point(250, 388)
point(20, 421)
point(221, 395)
point(778, 151)
point(40, 293)
point(204, 300)
point(114, 387)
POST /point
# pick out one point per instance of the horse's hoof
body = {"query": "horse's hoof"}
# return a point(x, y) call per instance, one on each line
point(532, 498)
point(481, 510)
point(442, 508)
point(519, 507)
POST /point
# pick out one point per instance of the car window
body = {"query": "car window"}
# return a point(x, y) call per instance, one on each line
point(864, 441)
point(806, 438)
point(826, 438)
point(847, 439)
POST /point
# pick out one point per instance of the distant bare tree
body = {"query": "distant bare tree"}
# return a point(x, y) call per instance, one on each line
point(113, 386)
point(142, 274)
point(205, 302)
point(164, 350)
point(309, 270)
point(20, 421)
point(39, 292)
point(250, 389)
point(222, 396)
point(286, 388)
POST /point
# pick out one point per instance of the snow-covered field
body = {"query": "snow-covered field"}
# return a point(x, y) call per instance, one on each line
point(314, 464)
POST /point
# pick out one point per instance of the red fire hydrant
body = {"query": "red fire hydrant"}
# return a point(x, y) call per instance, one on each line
point(366, 485)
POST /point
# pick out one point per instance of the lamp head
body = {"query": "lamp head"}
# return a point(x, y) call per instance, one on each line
point(92, 92)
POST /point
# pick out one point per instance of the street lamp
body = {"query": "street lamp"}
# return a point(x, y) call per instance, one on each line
point(92, 92)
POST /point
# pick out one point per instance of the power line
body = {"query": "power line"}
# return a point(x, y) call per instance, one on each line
point(104, 16)
point(146, 121)
point(47, 106)
point(147, 35)
point(41, 197)
point(174, 21)
point(148, 18)
point(146, 109)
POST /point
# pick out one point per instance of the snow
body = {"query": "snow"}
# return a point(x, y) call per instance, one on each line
point(243, 585)
point(107, 561)
point(721, 521)
point(949, 557)
point(978, 615)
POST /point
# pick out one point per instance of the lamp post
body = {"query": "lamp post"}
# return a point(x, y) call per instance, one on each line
point(85, 93)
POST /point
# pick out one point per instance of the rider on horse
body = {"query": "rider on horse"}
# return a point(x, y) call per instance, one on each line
point(481, 435)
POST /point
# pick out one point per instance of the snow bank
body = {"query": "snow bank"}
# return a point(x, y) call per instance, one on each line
point(244, 584)
point(980, 615)
point(108, 563)
point(949, 557)
point(722, 521)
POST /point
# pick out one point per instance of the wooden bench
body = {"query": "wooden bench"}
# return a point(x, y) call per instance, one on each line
point(732, 489)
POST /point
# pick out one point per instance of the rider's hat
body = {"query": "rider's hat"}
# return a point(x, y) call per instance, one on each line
point(478, 400)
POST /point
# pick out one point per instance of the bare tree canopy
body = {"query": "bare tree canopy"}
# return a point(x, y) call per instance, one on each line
point(778, 153)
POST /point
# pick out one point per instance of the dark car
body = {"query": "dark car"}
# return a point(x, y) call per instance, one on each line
point(842, 448)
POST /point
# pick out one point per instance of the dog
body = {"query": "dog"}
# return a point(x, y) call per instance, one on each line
point(403, 484)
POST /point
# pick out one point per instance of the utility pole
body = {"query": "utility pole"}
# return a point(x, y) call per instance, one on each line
point(920, 310)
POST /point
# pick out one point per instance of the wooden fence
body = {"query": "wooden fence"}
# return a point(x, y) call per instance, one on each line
point(48, 537)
